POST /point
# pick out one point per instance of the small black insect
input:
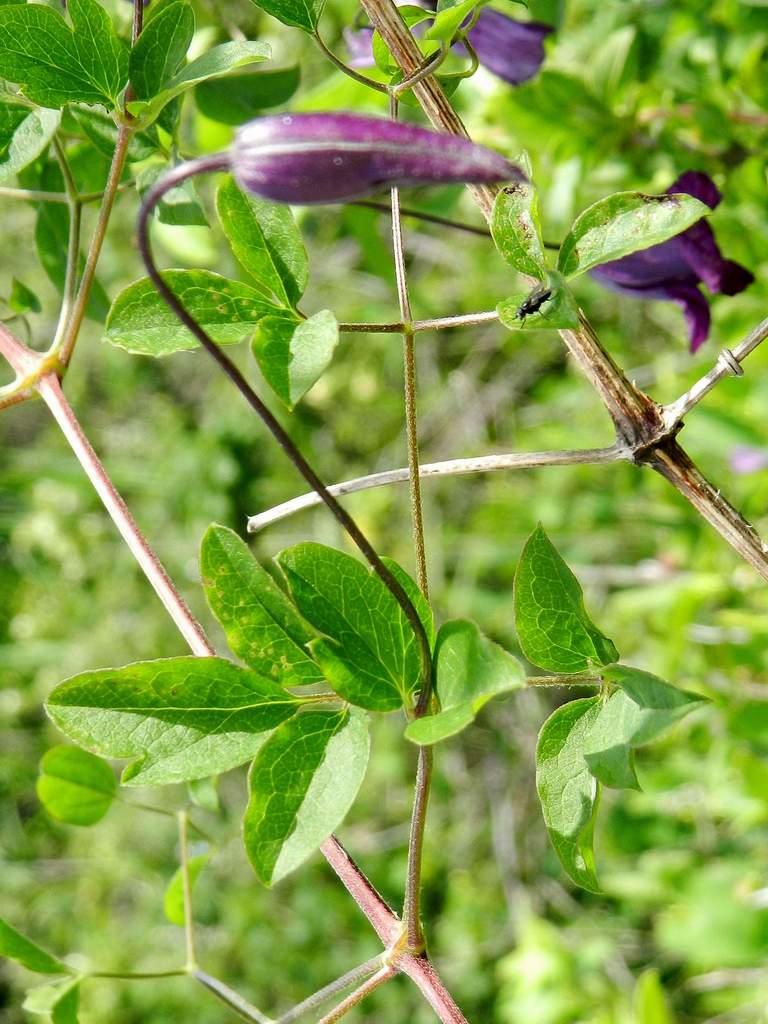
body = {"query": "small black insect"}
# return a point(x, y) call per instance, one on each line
point(532, 303)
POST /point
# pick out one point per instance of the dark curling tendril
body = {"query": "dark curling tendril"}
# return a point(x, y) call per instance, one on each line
point(220, 162)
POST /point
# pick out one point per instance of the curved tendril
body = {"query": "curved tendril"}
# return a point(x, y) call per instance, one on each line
point(220, 162)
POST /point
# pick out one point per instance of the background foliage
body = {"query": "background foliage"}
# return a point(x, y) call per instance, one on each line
point(632, 94)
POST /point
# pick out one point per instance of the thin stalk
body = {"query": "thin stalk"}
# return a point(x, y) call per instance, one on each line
point(414, 934)
point(231, 998)
point(451, 467)
point(170, 180)
point(324, 994)
point(73, 243)
point(433, 218)
point(412, 903)
point(567, 679)
point(346, 69)
point(438, 323)
point(188, 626)
point(428, 68)
point(66, 343)
point(411, 416)
point(186, 887)
point(359, 994)
point(33, 195)
point(728, 364)
point(137, 975)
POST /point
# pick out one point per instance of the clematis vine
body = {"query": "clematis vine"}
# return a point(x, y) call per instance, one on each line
point(675, 269)
point(329, 158)
point(510, 49)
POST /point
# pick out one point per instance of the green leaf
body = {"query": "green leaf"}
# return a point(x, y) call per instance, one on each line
point(161, 49)
point(292, 355)
point(60, 999)
point(23, 299)
point(75, 786)
point(411, 16)
point(24, 134)
point(179, 205)
point(54, 64)
point(141, 322)
point(303, 14)
point(558, 310)
point(181, 718)
point(624, 223)
point(221, 60)
point(16, 946)
point(239, 98)
point(470, 670)
point(261, 624)
point(516, 228)
point(265, 239)
point(173, 900)
point(450, 15)
point(641, 711)
point(302, 784)
point(370, 658)
point(567, 790)
point(552, 624)
point(649, 1004)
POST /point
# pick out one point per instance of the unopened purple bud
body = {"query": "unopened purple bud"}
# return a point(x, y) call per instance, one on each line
point(330, 158)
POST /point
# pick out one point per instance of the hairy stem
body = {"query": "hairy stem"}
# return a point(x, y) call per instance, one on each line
point(414, 934)
point(382, 975)
point(188, 626)
point(332, 989)
point(451, 467)
point(728, 364)
point(437, 323)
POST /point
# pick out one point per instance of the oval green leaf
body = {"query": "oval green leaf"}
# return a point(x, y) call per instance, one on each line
point(75, 786)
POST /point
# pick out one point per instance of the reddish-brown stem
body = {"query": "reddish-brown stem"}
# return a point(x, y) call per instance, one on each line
point(51, 393)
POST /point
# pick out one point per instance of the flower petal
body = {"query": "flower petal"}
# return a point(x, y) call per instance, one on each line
point(512, 50)
point(327, 158)
point(359, 44)
point(698, 185)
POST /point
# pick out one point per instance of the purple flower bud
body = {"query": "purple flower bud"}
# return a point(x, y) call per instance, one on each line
point(673, 270)
point(331, 158)
point(512, 50)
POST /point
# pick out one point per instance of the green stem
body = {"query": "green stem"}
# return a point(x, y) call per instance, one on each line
point(137, 975)
point(66, 343)
point(438, 323)
point(412, 902)
point(332, 989)
point(346, 69)
point(232, 999)
point(73, 243)
point(189, 923)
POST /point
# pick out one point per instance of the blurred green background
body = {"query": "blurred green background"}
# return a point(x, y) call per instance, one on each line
point(633, 92)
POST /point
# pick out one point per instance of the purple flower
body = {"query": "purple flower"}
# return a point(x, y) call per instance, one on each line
point(746, 459)
point(330, 158)
point(512, 50)
point(674, 269)
point(359, 47)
